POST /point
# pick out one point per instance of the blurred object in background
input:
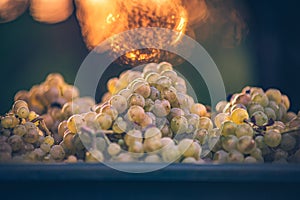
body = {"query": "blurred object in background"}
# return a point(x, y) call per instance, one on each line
point(11, 9)
point(51, 11)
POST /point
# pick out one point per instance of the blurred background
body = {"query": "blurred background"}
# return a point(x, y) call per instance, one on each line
point(267, 55)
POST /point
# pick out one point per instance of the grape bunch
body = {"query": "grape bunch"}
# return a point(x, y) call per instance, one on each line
point(256, 127)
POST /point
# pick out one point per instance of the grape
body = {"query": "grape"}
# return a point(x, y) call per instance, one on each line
point(250, 159)
point(272, 138)
point(246, 144)
point(170, 73)
point(239, 115)
point(244, 130)
point(104, 120)
point(286, 102)
point(235, 157)
point(71, 159)
point(254, 108)
point(270, 113)
point(153, 132)
point(57, 152)
point(280, 154)
point(257, 154)
point(174, 112)
point(152, 159)
point(169, 94)
point(235, 106)
point(179, 124)
point(201, 135)
point(31, 136)
point(136, 99)
point(74, 123)
point(119, 126)
point(125, 92)
point(18, 104)
point(149, 105)
point(180, 87)
point(289, 116)
point(229, 142)
point(161, 108)
point(288, 142)
point(152, 78)
point(152, 144)
point(170, 154)
point(89, 119)
point(70, 92)
point(274, 95)
point(220, 106)
point(143, 89)
point(132, 136)
point(163, 82)
point(206, 123)
point(155, 94)
point(193, 122)
point(100, 144)
point(241, 98)
point(260, 118)
point(163, 66)
point(15, 142)
point(94, 156)
point(20, 130)
point(166, 141)
point(136, 114)
point(8, 122)
point(150, 67)
point(124, 157)
point(110, 110)
point(221, 118)
point(113, 149)
point(137, 149)
point(261, 99)
point(228, 128)
point(49, 140)
point(220, 156)
point(199, 109)
point(119, 102)
point(45, 147)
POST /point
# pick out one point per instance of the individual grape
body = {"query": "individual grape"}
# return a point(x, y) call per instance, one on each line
point(235, 106)
point(270, 113)
point(124, 157)
point(250, 159)
point(220, 106)
point(125, 92)
point(8, 122)
point(174, 112)
point(179, 124)
point(71, 159)
point(166, 142)
point(171, 74)
point(152, 78)
point(155, 94)
point(20, 130)
point(55, 79)
point(220, 119)
point(244, 130)
point(239, 115)
point(280, 154)
point(280, 126)
point(261, 99)
point(119, 126)
point(101, 144)
point(166, 131)
point(246, 144)
point(94, 156)
point(257, 154)
point(171, 154)
point(149, 104)
point(110, 110)
point(104, 121)
point(119, 102)
point(169, 94)
point(206, 123)
point(5, 157)
point(150, 67)
point(286, 102)
point(152, 159)
point(260, 143)
point(274, 95)
point(143, 89)
point(15, 142)
point(242, 98)
point(229, 142)
point(201, 135)
point(152, 132)
point(49, 140)
point(288, 142)
point(259, 118)
point(199, 109)
point(136, 99)
point(136, 114)
point(289, 116)
point(228, 128)
point(254, 108)
point(136, 149)
point(163, 66)
point(147, 121)
point(163, 82)
point(57, 152)
point(132, 136)
point(152, 144)
point(18, 104)
point(180, 87)
point(193, 122)
point(31, 136)
point(5, 148)
point(113, 149)
point(281, 111)
point(272, 138)
point(220, 156)
point(235, 157)
point(161, 108)
point(45, 147)
point(74, 123)
point(3, 138)
point(70, 92)
point(189, 148)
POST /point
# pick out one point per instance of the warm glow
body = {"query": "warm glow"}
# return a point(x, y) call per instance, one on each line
point(11, 9)
point(51, 11)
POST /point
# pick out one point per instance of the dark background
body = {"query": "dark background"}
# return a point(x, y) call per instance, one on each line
point(267, 57)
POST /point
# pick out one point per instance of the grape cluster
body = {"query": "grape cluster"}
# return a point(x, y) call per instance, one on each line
point(256, 126)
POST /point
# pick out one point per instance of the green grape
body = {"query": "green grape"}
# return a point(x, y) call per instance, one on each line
point(152, 144)
point(244, 130)
point(286, 102)
point(220, 156)
point(201, 135)
point(89, 119)
point(15, 142)
point(7, 122)
point(166, 142)
point(170, 154)
point(149, 105)
point(152, 159)
point(289, 116)
point(166, 131)
point(5, 156)
point(45, 147)
point(288, 142)
point(220, 106)
point(272, 138)
point(161, 108)
point(280, 154)
point(246, 144)
point(281, 111)
point(119, 126)
point(22, 112)
point(274, 95)
point(110, 110)
point(252, 108)
point(228, 128)
point(199, 109)
point(136, 99)
point(143, 89)
point(18, 104)
point(260, 118)
point(193, 122)
point(49, 140)
point(280, 126)
point(104, 120)
point(229, 142)
point(188, 148)
point(6, 132)
point(125, 93)
point(74, 123)
point(171, 74)
point(235, 157)
point(174, 112)
point(155, 94)
point(169, 94)
point(239, 115)
point(179, 124)
point(136, 114)
point(31, 136)
point(250, 159)
point(124, 157)
point(150, 67)
point(206, 123)
point(261, 99)
point(152, 78)
point(180, 87)
point(163, 66)
point(163, 82)
point(3, 138)
point(20, 130)
point(215, 144)
point(113, 149)
point(57, 152)
point(29, 125)
point(235, 106)
point(152, 132)
point(94, 156)
point(101, 144)
point(257, 154)
point(136, 149)
point(189, 160)
point(132, 136)
point(241, 98)
point(71, 159)
point(119, 102)
point(220, 118)
point(270, 113)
